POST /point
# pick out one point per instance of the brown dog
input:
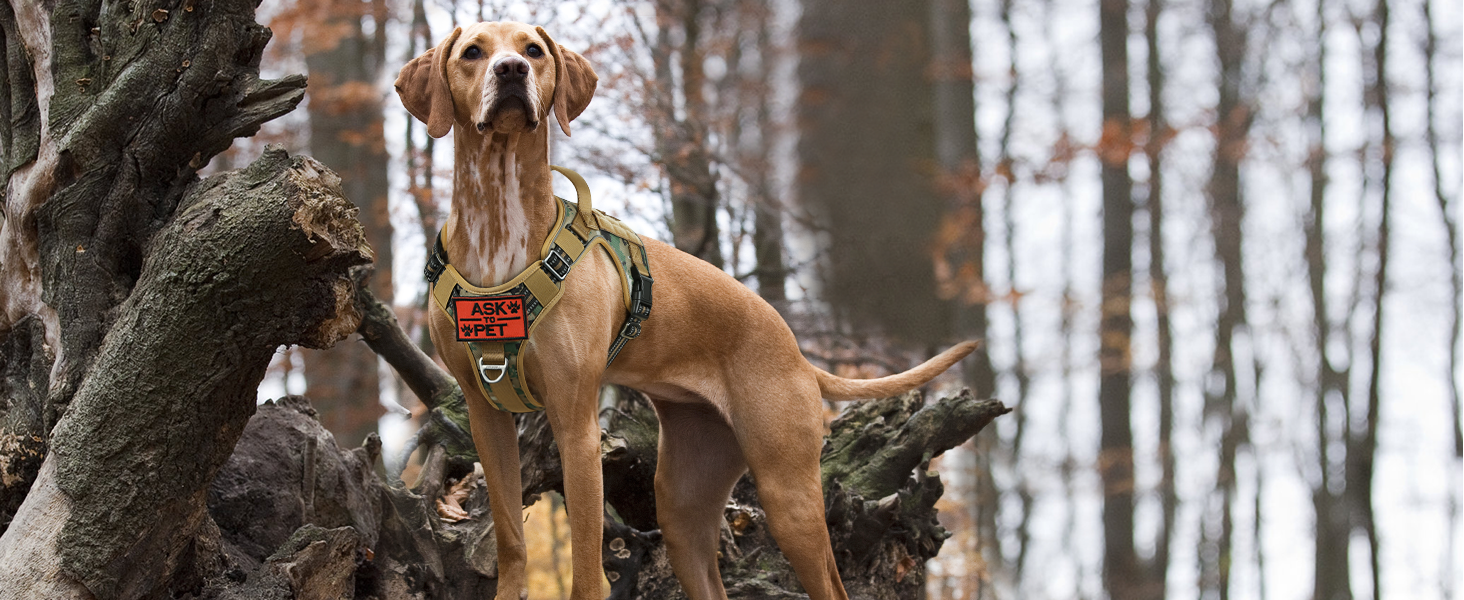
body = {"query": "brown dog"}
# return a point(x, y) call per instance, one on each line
point(723, 370)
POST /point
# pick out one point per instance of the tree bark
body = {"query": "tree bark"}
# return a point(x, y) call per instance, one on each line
point(1331, 574)
point(110, 115)
point(681, 138)
point(867, 156)
point(288, 476)
point(254, 259)
point(1227, 214)
point(1121, 569)
point(1363, 452)
point(1157, 574)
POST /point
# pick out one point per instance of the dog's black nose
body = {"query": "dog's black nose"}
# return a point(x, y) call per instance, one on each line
point(511, 68)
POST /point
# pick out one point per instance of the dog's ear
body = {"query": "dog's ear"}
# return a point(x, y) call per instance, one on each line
point(574, 82)
point(422, 86)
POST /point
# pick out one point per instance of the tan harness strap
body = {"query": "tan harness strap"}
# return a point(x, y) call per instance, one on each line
point(538, 289)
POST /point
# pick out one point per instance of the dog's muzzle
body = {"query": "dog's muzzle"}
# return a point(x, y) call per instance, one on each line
point(514, 96)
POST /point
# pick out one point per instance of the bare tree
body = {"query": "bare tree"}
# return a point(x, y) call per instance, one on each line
point(1363, 452)
point(871, 184)
point(1451, 225)
point(960, 186)
point(1019, 370)
point(1331, 572)
point(754, 132)
point(1227, 213)
point(680, 116)
point(1456, 268)
point(1159, 287)
point(1122, 573)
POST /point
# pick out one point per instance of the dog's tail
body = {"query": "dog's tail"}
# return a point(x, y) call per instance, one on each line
point(839, 388)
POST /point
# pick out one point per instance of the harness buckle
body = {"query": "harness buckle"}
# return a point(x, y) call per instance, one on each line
point(557, 264)
point(631, 329)
point(640, 296)
point(483, 370)
point(436, 261)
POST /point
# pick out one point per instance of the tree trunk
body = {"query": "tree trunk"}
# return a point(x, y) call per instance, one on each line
point(682, 141)
point(1020, 369)
point(1121, 570)
point(1158, 571)
point(109, 117)
point(1363, 450)
point(1456, 269)
point(959, 187)
point(757, 165)
point(1227, 215)
point(1451, 232)
point(288, 476)
point(867, 153)
point(1331, 575)
point(254, 259)
point(346, 133)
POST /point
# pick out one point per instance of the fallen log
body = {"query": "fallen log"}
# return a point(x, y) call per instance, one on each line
point(882, 534)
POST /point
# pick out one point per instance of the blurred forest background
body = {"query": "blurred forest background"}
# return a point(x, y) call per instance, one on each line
point(1212, 247)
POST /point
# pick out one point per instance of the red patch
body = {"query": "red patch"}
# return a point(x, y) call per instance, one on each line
point(493, 319)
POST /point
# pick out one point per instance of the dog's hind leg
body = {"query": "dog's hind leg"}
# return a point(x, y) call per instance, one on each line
point(780, 428)
point(698, 463)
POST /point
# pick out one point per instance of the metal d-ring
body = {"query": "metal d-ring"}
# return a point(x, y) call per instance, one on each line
point(482, 370)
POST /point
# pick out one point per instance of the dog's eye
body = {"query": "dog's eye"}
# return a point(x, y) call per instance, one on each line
point(534, 51)
point(472, 52)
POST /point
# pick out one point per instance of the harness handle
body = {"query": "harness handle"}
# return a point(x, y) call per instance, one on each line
point(586, 214)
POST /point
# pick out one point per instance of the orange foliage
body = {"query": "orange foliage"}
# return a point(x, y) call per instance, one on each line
point(323, 23)
point(339, 99)
point(957, 241)
point(959, 571)
point(369, 137)
point(1119, 140)
point(546, 533)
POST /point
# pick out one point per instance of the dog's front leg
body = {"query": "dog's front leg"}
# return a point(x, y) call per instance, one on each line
point(496, 439)
point(577, 433)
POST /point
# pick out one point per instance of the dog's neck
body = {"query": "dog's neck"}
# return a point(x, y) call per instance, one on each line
point(502, 203)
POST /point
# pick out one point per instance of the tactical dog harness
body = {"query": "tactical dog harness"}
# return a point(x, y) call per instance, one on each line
point(496, 322)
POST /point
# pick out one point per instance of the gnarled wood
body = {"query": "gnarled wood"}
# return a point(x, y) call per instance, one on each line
point(255, 259)
point(111, 109)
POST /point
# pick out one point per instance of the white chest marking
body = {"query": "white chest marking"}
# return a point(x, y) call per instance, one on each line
point(496, 222)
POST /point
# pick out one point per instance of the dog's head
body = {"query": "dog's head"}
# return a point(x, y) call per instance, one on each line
point(499, 76)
